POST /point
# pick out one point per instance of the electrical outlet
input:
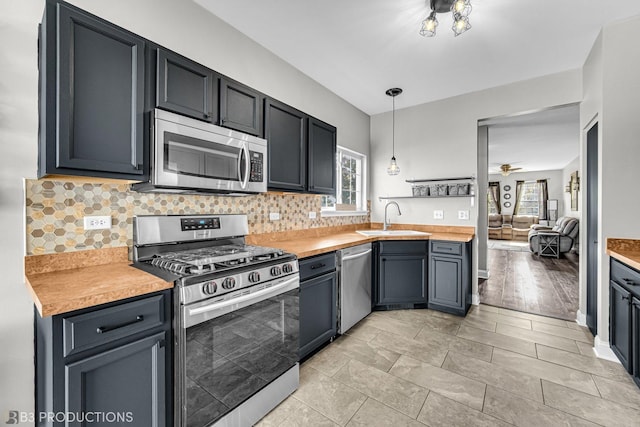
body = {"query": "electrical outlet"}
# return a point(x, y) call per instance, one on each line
point(463, 215)
point(312, 215)
point(274, 216)
point(97, 222)
point(438, 214)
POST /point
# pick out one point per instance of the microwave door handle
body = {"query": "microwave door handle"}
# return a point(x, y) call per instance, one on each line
point(247, 164)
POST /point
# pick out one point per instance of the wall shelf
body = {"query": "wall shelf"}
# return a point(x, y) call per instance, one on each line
point(417, 181)
point(424, 197)
point(469, 179)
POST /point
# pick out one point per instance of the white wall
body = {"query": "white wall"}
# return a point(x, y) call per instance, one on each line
point(181, 26)
point(554, 186)
point(565, 201)
point(440, 139)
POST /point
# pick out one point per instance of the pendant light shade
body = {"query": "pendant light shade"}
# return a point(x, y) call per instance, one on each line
point(393, 168)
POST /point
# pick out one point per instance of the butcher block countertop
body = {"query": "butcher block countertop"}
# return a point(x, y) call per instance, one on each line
point(60, 283)
point(625, 250)
point(310, 242)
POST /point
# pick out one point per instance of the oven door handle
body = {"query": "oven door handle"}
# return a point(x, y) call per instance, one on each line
point(196, 315)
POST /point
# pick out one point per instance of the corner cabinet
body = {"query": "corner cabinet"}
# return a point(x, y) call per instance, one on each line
point(112, 358)
point(92, 97)
point(400, 274)
point(624, 316)
point(318, 302)
point(302, 150)
point(450, 276)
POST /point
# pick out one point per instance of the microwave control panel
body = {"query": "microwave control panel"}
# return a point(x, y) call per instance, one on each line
point(257, 167)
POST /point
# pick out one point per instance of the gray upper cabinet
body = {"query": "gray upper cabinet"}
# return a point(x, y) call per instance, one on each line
point(450, 276)
point(92, 81)
point(322, 157)
point(186, 87)
point(286, 133)
point(240, 107)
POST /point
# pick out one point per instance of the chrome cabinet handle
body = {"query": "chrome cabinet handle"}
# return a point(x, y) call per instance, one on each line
point(103, 329)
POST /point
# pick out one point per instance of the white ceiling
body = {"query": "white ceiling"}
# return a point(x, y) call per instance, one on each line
point(546, 140)
point(360, 48)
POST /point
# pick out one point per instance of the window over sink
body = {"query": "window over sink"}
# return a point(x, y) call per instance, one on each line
point(351, 195)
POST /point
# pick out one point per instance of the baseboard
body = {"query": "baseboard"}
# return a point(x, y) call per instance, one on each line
point(483, 274)
point(475, 299)
point(603, 351)
point(581, 318)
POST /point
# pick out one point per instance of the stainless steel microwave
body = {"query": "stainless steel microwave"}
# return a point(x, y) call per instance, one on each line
point(193, 156)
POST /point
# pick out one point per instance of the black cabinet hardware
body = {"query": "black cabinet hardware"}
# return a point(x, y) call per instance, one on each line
point(103, 329)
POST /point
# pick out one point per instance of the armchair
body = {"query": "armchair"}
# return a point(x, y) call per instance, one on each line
point(566, 227)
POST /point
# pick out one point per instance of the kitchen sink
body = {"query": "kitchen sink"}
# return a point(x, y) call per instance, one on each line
point(373, 233)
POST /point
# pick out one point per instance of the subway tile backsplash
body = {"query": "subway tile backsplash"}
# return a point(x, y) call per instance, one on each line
point(55, 211)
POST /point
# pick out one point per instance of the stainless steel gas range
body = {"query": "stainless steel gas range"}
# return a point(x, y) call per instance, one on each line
point(235, 316)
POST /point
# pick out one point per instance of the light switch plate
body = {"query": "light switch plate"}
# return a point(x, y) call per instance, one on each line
point(463, 215)
point(97, 222)
point(438, 214)
point(274, 216)
point(312, 215)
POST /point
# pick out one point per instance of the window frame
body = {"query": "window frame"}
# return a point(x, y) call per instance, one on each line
point(536, 187)
point(361, 206)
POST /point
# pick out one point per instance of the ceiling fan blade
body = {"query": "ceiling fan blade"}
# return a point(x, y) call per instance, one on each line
point(514, 169)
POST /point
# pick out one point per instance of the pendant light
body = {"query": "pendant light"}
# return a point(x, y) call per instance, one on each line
point(393, 168)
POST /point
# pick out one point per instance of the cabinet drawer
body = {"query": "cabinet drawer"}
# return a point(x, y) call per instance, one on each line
point(451, 248)
point(311, 267)
point(405, 247)
point(626, 276)
point(105, 325)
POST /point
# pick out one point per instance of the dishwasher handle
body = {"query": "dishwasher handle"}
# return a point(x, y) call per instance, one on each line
point(359, 255)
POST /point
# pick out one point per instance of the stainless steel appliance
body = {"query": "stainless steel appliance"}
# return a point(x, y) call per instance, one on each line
point(354, 285)
point(236, 321)
point(193, 156)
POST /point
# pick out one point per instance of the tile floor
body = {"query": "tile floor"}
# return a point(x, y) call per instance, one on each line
point(495, 367)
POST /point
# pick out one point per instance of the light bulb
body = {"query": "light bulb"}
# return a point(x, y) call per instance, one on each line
point(393, 168)
point(460, 24)
point(429, 26)
point(461, 7)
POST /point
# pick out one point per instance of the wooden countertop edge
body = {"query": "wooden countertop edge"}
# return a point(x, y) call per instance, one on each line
point(631, 258)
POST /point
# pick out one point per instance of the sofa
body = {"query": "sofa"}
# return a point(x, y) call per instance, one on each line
point(510, 227)
point(566, 227)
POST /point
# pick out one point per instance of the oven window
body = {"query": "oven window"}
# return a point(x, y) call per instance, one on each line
point(192, 156)
point(230, 358)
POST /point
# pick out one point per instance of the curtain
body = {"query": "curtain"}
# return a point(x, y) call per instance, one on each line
point(494, 195)
point(543, 197)
point(519, 195)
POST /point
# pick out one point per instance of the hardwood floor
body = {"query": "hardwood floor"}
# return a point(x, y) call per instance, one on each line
point(522, 281)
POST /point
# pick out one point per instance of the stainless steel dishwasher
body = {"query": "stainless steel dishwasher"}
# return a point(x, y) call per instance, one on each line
point(354, 286)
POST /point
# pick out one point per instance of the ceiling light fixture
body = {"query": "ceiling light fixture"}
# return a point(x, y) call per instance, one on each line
point(460, 10)
point(393, 168)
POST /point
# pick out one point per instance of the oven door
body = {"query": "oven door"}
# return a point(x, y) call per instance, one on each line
point(198, 155)
point(232, 348)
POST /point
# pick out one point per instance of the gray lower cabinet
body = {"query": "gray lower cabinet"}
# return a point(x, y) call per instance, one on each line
point(318, 302)
point(92, 96)
point(400, 274)
point(450, 276)
point(624, 316)
point(111, 359)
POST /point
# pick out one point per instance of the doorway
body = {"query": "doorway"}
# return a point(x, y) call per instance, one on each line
point(531, 158)
point(592, 229)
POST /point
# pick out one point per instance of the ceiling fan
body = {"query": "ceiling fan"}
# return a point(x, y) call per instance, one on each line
point(506, 169)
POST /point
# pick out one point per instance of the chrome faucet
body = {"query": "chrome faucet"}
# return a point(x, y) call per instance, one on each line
point(386, 221)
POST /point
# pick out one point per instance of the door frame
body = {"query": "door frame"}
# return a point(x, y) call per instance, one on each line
point(589, 215)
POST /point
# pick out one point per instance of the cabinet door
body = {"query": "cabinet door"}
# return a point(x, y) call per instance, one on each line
point(402, 279)
point(128, 380)
point(100, 99)
point(318, 318)
point(322, 157)
point(620, 328)
point(635, 332)
point(186, 87)
point(286, 133)
point(445, 283)
point(240, 107)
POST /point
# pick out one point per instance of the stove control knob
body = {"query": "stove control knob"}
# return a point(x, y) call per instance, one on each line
point(287, 268)
point(254, 277)
point(229, 283)
point(276, 271)
point(210, 288)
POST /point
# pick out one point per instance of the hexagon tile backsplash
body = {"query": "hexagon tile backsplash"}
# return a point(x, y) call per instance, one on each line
point(55, 212)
